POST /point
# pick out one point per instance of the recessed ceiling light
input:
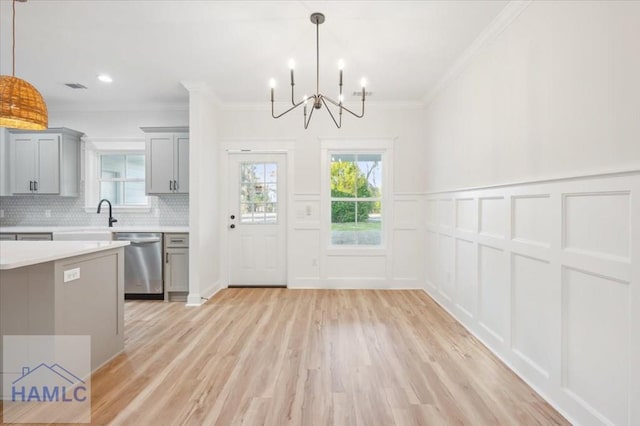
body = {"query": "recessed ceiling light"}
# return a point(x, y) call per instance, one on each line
point(105, 78)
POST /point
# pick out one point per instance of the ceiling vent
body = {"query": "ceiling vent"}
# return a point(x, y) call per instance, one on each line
point(359, 93)
point(76, 85)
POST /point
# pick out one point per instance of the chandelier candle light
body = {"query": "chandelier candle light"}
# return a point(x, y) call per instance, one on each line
point(318, 99)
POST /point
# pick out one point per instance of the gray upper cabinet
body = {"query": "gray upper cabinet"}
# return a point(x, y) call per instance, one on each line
point(167, 160)
point(46, 162)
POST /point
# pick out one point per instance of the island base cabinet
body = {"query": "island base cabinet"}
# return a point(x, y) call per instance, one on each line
point(36, 300)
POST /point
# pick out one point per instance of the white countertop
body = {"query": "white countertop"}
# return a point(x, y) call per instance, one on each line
point(52, 229)
point(15, 254)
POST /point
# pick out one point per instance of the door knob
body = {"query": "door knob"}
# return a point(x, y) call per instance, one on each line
point(233, 216)
point(232, 226)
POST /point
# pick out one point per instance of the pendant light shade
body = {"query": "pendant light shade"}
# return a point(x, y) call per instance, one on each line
point(21, 105)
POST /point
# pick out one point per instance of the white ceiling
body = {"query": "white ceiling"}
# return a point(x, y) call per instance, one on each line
point(403, 48)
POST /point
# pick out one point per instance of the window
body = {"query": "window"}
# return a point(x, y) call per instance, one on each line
point(356, 199)
point(121, 179)
point(259, 193)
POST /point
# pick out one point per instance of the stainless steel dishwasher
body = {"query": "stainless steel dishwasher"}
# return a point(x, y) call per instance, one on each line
point(142, 265)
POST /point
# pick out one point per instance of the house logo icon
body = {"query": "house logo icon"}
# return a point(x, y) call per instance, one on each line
point(48, 383)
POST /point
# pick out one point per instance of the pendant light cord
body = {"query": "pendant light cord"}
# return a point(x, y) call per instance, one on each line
point(13, 24)
point(317, 56)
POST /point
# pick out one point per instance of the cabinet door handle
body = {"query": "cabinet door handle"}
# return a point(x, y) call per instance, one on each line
point(35, 185)
point(31, 185)
point(175, 185)
point(170, 185)
point(166, 257)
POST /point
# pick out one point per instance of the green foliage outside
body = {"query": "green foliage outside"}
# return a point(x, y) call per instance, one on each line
point(347, 181)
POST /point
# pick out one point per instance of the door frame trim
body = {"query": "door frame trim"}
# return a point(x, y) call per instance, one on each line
point(228, 147)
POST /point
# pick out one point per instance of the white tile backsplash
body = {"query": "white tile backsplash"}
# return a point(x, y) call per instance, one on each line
point(29, 210)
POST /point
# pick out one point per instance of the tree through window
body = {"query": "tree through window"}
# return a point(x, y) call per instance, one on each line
point(356, 199)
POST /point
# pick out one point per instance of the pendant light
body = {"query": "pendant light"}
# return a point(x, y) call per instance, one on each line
point(21, 105)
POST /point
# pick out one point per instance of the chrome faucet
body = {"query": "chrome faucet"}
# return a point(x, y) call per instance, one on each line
point(111, 218)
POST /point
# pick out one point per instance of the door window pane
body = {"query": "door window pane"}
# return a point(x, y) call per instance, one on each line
point(258, 193)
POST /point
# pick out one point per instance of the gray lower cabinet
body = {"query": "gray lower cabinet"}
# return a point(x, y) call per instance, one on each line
point(176, 266)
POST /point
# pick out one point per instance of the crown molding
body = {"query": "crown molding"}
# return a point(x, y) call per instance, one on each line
point(500, 23)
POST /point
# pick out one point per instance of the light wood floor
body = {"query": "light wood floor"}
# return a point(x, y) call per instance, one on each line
point(307, 357)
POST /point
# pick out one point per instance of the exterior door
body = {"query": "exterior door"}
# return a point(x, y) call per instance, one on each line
point(257, 219)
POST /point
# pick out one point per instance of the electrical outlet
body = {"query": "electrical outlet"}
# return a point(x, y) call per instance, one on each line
point(72, 274)
point(308, 210)
point(47, 213)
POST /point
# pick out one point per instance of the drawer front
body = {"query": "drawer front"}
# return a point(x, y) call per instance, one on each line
point(34, 237)
point(176, 240)
point(7, 237)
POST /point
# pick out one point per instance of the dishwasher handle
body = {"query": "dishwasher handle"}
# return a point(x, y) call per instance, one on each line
point(140, 241)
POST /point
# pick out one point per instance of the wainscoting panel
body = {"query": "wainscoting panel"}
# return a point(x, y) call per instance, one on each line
point(466, 215)
point(532, 328)
point(398, 263)
point(407, 259)
point(466, 281)
point(597, 223)
point(493, 293)
point(595, 320)
point(546, 274)
point(532, 220)
point(492, 217)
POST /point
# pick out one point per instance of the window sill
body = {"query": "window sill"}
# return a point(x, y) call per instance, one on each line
point(356, 251)
point(120, 209)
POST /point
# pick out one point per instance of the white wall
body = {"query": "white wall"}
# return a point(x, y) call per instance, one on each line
point(309, 264)
point(118, 124)
point(556, 94)
point(545, 272)
point(204, 195)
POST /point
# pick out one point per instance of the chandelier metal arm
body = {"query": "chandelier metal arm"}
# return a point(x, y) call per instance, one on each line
point(342, 107)
point(338, 124)
point(307, 121)
point(290, 109)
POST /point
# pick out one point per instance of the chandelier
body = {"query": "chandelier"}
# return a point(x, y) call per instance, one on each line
point(318, 99)
point(21, 105)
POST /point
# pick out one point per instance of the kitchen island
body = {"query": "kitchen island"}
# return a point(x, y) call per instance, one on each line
point(64, 288)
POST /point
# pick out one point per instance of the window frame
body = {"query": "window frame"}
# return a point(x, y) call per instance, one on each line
point(383, 147)
point(356, 199)
point(93, 149)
